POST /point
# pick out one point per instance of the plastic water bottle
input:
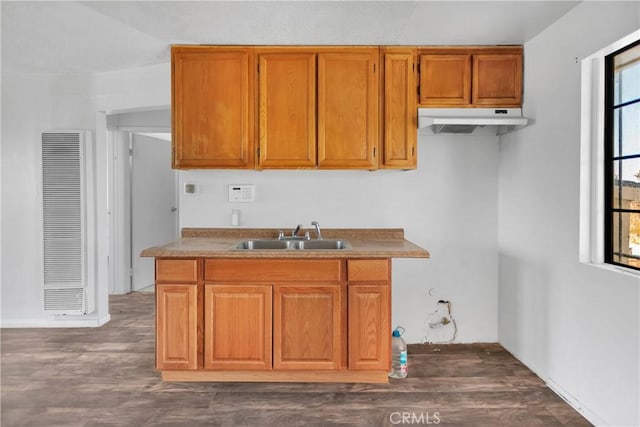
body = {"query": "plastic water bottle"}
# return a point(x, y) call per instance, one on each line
point(399, 367)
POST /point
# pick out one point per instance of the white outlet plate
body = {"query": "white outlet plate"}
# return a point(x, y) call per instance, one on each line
point(190, 188)
point(242, 193)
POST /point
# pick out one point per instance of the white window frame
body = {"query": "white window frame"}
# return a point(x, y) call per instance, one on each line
point(592, 158)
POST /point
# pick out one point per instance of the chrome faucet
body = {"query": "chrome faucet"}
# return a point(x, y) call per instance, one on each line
point(316, 224)
point(294, 233)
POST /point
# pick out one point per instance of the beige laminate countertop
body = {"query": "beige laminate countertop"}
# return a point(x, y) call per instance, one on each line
point(218, 243)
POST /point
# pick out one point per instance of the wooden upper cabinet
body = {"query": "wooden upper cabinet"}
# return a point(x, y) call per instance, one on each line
point(497, 79)
point(287, 109)
point(212, 107)
point(318, 107)
point(399, 113)
point(327, 107)
point(471, 77)
point(445, 79)
point(348, 108)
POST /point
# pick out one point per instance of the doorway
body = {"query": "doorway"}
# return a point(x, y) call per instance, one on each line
point(153, 202)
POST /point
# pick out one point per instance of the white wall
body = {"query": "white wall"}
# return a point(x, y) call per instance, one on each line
point(32, 104)
point(26, 111)
point(35, 103)
point(576, 326)
point(133, 89)
point(448, 206)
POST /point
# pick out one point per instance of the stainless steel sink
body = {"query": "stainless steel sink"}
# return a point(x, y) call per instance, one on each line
point(276, 244)
point(265, 244)
point(323, 244)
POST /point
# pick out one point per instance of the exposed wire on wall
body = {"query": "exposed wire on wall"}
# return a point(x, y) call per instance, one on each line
point(440, 326)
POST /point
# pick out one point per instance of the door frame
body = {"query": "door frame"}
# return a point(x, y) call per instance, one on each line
point(105, 233)
point(129, 193)
point(119, 178)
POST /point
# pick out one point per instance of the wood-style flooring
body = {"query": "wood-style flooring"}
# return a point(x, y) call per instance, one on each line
point(105, 376)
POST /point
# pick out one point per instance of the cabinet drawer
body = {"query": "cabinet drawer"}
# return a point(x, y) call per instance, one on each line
point(176, 270)
point(368, 270)
point(272, 270)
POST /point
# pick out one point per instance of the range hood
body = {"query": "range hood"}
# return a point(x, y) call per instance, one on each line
point(466, 120)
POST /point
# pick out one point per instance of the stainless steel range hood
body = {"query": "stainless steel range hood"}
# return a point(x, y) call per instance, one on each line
point(466, 120)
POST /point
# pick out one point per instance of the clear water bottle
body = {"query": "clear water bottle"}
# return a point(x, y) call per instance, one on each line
point(399, 368)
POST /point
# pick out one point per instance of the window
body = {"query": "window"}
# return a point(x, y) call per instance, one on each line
point(622, 157)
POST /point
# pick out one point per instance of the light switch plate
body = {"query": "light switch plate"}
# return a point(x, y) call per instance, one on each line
point(242, 193)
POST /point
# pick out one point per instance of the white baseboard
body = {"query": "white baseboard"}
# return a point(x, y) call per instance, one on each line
point(575, 403)
point(557, 389)
point(57, 322)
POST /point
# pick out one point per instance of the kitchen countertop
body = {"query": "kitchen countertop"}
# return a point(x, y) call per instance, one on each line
point(218, 243)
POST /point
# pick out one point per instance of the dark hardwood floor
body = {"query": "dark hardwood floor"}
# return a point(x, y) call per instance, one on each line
point(105, 376)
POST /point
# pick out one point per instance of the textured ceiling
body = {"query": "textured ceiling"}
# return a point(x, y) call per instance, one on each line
point(67, 37)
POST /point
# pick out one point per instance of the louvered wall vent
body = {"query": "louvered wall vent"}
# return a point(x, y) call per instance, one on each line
point(64, 216)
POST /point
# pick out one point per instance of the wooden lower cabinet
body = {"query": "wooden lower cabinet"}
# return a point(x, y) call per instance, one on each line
point(324, 320)
point(307, 327)
point(237, 327)
point(369, 326)
point(176, 327)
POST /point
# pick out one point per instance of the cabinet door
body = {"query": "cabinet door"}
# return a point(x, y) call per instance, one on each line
point(307, 330)
point(445, 79)
point(176, 327)
point(369, 327)
point(348, 109)
point(400, 112)
point(237, 327)
point(212, 107)
point(497, 80)
point(287, 116)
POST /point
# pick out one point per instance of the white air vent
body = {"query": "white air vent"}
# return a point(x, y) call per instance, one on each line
point(65, 300)
point(64, 217)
